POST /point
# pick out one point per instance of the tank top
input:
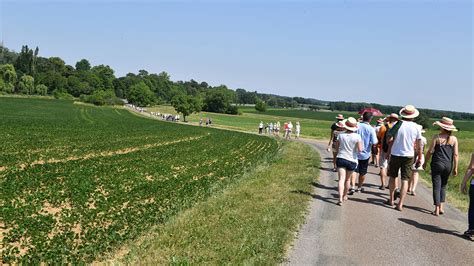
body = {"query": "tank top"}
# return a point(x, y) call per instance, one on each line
point(443, 154)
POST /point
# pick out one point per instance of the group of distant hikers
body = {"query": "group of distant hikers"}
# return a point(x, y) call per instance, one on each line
point(274, 129)
point(396, 145)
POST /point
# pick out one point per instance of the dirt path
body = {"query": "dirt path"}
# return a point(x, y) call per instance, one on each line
point(365, 231)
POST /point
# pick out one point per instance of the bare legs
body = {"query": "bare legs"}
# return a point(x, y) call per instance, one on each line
point(413, 182)
point(353, 180)
point(344, 183)
point(403, 194)
point(361, 181)
point(383, 176)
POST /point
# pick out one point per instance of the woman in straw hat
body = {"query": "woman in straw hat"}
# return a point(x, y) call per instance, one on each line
point(348, 146)
point(444, 154)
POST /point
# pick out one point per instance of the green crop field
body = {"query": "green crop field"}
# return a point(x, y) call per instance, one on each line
point(78, 181)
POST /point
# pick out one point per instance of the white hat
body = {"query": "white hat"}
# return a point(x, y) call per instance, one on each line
point(350, 124)
point(409, 112)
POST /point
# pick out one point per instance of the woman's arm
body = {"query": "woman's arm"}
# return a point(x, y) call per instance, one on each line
point(360, 146)
point(456, 157)
point(429, 152)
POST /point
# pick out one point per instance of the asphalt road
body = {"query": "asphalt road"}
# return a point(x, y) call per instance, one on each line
point(365, 231)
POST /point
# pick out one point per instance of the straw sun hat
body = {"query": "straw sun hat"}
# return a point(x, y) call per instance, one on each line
point(446, 123)
point(350, 124)
point(392, 116)
point(409, 112)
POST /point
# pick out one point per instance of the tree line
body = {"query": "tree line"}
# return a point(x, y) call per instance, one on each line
point(26, 72)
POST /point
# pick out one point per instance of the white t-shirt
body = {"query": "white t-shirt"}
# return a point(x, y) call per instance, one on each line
point(404, 143)
point(298, 128)
point(348, 146)
point(260, 125)
point(290, 126)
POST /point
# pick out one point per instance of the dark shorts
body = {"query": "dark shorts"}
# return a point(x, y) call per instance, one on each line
point(403, 164)
point(362, 167)
point(348, 165)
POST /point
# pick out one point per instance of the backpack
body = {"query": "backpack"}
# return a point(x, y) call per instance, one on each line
point(392, 132)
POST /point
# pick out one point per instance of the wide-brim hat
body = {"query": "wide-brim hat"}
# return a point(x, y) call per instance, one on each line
point(379, 121)
point(340, 117)
point(340, 124)
point(392, 116)
point(350, 124)
point(409, 112)
point(446, 123)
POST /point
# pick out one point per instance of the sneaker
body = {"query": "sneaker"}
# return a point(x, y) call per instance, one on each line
point(351, 191)
point(382, 188)
point(469, 234)
point(360, 189)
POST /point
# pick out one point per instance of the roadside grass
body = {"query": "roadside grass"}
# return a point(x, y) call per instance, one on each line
point(253, 221)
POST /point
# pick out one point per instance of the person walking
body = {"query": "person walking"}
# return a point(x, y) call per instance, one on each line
point(443, 152)
point(369, 140)
point(469, 172)
point(402, 138)
point(260, 128)
point(348, 146)
point(285, 129)
point(298, 130)
point(334, 128)
point(289, 130)
point(383, 143)
point(413, 182)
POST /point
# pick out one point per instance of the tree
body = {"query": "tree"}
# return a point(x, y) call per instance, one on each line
point(261, 106)
point(186, 105)
point(218, 100)
point(423, 120)
point(106, 76)
point(141, 95)
point(41, 89)
point(26, 61)
point(83, 65)
point(26, 85)
point(8, 76)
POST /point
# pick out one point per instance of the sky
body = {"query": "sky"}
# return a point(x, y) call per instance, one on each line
point(389, 52)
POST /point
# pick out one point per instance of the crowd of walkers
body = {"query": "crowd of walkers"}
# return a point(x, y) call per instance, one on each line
point(273, 129)
point(396, 145)
point(207, 121)
point(165, 117)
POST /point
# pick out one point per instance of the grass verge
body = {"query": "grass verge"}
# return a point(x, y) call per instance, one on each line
point(251, 222)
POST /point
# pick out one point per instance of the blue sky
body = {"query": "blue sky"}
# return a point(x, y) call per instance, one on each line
point(389, 52)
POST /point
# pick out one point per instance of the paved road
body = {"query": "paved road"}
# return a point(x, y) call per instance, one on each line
point(364, 231)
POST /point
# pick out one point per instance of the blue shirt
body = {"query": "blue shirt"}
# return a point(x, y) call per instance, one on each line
point(369, 138)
